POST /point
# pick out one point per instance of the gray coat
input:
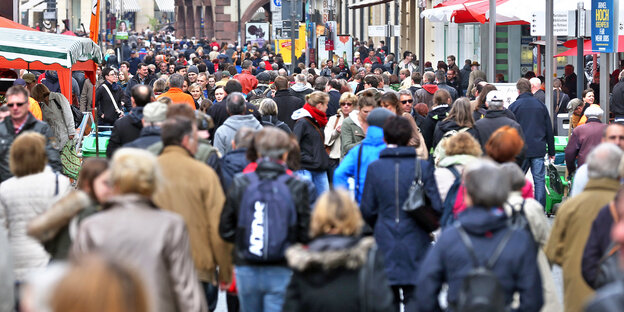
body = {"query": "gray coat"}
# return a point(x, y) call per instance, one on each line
point(58, 115)
point(154, 242)
point(6, 275)
point(226, 132)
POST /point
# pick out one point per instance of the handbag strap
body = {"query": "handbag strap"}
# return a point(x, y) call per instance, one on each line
point(614, 213)
point(56, 184)
point(357, 172)
point(112, 98)
point(468, 243)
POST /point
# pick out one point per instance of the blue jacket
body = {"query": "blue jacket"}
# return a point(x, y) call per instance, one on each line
point(401, 240)
point(448, 261)
point(533, 117)
point(372, 144)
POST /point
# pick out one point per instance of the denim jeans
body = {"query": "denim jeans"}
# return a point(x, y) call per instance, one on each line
point(319, 178)
point(212, 295)
point(262, 288)
point(538, 170)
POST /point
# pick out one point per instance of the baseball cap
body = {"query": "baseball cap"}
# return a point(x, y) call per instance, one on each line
point(29, 77)
point(495, 96)
point(19, 82)
point(155, 112)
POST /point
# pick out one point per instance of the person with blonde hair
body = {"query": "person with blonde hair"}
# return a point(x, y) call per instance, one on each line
point(310, 120)
point(154, 242)
point(334, 259)
point(93, 283)
point(25, 196)
point(460, 149)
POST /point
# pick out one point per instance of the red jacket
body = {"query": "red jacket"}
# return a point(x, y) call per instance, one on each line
point(248, 81)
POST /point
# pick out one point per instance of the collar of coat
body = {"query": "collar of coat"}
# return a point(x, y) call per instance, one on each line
point(602, 184)
point(302, 258)
point(176, 150)
point(129, 200)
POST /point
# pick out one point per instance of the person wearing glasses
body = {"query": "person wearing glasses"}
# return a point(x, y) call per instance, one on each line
point(333, 129)
point(20, 121)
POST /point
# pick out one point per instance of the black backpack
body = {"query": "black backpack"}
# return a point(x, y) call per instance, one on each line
point(480, 290)
point(518, 219)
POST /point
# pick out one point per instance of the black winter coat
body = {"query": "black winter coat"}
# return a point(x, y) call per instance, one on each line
point(401, 240)
point(448, 261)
point(312, 144)
point(334, 103)
point(493, 120)
point(104, 103)
point(327, 276)
point(445, 126)
point(596, 245)
point(435, 115)
point(228, 225)
point(286, 105)
point(149, 135)
point(617, 99)
point(272, 121)
point(232, 164)
point(533, 117)
point(125, 130)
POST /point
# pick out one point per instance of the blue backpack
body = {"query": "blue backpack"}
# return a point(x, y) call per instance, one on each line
point(447, 217)
point(267, 219)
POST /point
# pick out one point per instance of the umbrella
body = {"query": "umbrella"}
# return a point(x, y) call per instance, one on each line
point(465, 11)
point(587, 47)
point(7, 23)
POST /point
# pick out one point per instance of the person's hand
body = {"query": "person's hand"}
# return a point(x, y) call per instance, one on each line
point(338, 128)
point(224, 286)
point(551, 158)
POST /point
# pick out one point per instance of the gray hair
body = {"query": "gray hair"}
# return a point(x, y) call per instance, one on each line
point(515, 175)
point(603, 160)
point(440, 76)
point(486, 184)
point(235, 103)
point(429, 76)
point(268, 107)
point(176, 81)
point(496, 105)
point(594, 111)
point(406, 92)
point(301, 78)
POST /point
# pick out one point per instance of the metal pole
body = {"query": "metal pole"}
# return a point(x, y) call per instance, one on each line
point(387, 43)
point(491, 69)
point(293, 57)
point(421, 36)
point(550, 46)
point(309, 33)
point(240, 41)
point(580, 58)
point(605, 64)
point(396, 22)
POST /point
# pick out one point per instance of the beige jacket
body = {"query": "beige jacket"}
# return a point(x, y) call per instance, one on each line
point(332, 135)
point(155, 243)
point(192, 189)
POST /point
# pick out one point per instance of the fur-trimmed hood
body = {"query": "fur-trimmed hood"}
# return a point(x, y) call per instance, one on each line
point(46, 226)
point(330, 252)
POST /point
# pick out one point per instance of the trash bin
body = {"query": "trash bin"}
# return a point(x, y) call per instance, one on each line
point(563, 124)
point(88, 144)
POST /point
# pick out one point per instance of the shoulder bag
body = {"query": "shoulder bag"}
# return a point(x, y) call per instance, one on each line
point(418, 206)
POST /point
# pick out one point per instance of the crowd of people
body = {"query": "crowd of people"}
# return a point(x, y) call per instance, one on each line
point(342, 187)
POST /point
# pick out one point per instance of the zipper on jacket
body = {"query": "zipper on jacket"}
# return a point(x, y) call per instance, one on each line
point(396, 191)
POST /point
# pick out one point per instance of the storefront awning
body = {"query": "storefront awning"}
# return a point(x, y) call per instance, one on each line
point(367, 3)
point(126, 6)
point(587, 47)
point(30, 4)
point(165, 5)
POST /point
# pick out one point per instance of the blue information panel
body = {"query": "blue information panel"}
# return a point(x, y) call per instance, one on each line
point(603, 29)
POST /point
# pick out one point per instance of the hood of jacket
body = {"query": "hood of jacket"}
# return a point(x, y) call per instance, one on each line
point(330, 252)
point(150, 131)
point(439, 112)
point(136, 115)
point(374, 136)
point(354, 117)
point(480, 221)
point(235, 161)
point(247, 120)
point(448, 125)
point(300, 113)
point(299, 87)
point(431, 88)
point(495, 114)
point(456, 160)
point(51, 76)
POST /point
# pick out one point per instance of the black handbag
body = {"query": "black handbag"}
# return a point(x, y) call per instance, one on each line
point(418, 205)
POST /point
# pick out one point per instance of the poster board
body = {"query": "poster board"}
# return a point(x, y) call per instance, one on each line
point(257, 33)
point(283, 46)
point(343, 47)
point(510, 91)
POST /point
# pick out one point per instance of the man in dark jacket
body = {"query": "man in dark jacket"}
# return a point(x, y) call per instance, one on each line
point(416, 80)
point(263, 284)
point(20, 121)
point(153, 116)
point(425, 95)
point(464, 75)
point(617, 99)
point(142, 77)
point(219, 112)
point(128, 128)
point(286, 103)
point(334, 97)
point(440, 78)
point(486, 225)
point(235, 160)
point(533, 117)
point(439, 111)
point(494, 118)
point(134, 61)
point(110, 100)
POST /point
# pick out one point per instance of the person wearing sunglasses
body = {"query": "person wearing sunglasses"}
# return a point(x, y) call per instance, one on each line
point(20, 121)
point(333, 129)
